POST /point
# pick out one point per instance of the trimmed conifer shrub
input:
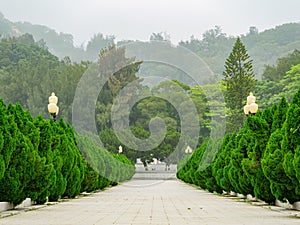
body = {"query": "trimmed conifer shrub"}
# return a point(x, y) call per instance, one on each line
point(257, 136)
point(290, 145)
point(238, 178)
point(40, 159)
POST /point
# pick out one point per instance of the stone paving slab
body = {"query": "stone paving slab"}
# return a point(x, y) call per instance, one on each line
point(152, 202)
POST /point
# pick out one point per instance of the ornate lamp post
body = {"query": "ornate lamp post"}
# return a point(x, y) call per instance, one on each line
point(52, 106)
point(188, 150)
point(251, 107)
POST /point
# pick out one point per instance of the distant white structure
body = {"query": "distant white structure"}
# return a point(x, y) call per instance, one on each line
point(120, 149)
point(188, 150)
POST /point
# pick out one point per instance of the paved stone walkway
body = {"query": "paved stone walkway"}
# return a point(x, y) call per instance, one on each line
point(151, 202)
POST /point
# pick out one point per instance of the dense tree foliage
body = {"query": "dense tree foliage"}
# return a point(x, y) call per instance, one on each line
point(28, 73)
point(119, 71)
point(239, 81)
point(151, 107)
point(41, 158)
point(277, 72)
point(163, 100)
point(264, 47)
point(261, 160)
point(257, 135)
point(271, 92)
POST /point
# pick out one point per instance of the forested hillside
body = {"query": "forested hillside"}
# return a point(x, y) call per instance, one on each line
point(265, 47)
point(60, 44)
point(280, 80)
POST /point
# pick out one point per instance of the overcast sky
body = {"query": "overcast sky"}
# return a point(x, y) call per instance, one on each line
point(138, 19)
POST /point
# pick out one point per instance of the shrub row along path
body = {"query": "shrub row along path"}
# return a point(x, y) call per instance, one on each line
point(145, 201)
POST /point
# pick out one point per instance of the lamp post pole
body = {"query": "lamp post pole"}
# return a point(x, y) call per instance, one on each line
point(52, 106)
point(251, 107)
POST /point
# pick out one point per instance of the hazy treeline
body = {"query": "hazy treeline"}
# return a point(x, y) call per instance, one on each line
point(213, 47)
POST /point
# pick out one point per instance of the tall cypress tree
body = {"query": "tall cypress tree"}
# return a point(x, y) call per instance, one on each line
point(239, 81)
point(5, 138)
point(219, 163)
point(272, 159)
point(237, 177)
point(224, 178)
point(257, 136)
point(290, 145)
point(20, 170)
point(2, 163)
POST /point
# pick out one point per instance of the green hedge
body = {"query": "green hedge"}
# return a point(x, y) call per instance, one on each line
point(263, 159)
point(41, 158)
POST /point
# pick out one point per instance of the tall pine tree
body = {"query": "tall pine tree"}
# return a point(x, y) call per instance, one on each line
point(239, 81)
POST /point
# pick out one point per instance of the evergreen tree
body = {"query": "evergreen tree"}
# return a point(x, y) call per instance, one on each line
point(296, 164)
point(219, 163)
point(290, 146)
point(279, 115)
point(206, 165)
point(72, 168)
point(7, 143)
point(272, 165)
point(2, 163)
point(91, 179)
point(40, 158)
point(199, 177)
point(237, 177)
point(226, 181)
point(20, 170)
point(40, 179)
point(268, 116)
point(257, 131)
point(239, 81)
point(60, 182)
point(281, 185)
point(46, 153)
point(8, 130)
